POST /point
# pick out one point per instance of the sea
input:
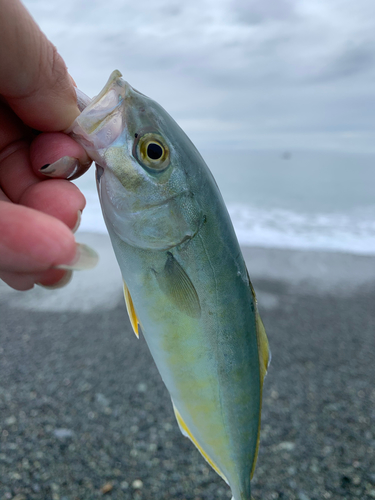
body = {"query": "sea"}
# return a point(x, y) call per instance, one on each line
point(308, 200)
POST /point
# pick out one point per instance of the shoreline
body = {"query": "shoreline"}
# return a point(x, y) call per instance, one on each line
point(102, 289)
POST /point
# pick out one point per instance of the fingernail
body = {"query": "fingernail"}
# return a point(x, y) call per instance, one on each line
point(66, 167)
point(79, 217)
point(85, 258)
point(63, 282)
point(82, 100)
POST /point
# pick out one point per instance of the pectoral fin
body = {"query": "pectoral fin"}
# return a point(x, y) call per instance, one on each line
point(264, 354)
point(131, 311)
point(186, 432)
point(176, 284)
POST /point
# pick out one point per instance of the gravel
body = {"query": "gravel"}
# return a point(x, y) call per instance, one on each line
point(84, 414)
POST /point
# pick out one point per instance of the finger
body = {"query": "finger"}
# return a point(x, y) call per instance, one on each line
point(52, 279)
point(31, 241)
point(34, 78)
point(48, 148)
point(19, 281)
point(58, 198)
point(16, 174)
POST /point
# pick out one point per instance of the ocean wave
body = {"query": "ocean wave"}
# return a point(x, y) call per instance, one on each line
point(352, 232)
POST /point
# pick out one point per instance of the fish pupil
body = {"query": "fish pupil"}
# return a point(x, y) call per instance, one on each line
point(154, 151)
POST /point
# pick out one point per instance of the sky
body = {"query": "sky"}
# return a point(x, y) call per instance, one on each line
point(235, 74)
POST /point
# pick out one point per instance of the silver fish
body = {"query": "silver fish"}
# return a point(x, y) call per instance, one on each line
point(185, 280)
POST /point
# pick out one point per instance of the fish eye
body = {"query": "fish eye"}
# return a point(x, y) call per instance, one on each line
point(151, 151)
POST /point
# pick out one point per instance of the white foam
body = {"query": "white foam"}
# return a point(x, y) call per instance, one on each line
point(279, 228)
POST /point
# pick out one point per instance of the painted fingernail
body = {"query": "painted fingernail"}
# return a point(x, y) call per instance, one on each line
point(85, 258)
point(63, 168)
point(63, 282)
point(79, 217)
point(66, 167)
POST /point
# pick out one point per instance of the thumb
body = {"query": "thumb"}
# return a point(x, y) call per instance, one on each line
point(33, 77)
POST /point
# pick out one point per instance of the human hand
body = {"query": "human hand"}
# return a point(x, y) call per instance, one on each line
point(37, 215)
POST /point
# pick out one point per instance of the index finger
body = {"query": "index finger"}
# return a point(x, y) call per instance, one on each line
point(33, 76)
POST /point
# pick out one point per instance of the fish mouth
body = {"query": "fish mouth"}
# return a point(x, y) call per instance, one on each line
point(101, 121)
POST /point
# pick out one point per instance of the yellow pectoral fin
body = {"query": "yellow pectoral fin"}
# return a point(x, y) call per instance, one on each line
point(131, 311)
point(186, 432)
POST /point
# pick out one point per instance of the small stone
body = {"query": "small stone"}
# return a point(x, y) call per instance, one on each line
point(106, 488)
point(372, 493)
point(137, 484)
point(10, 420)
point(63, 433)
point(25, 464)
point(20, 496)
point(124, 485)
point(101, 399)
point(15, 475)
point(303, 496)
point(286, 446)
point(141, 387)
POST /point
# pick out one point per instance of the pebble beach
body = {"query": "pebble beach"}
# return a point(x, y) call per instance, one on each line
point(84, 413)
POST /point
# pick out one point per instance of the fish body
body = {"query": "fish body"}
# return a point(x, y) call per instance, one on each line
point(185, 279)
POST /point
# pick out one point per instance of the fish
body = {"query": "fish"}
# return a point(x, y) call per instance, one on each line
point(186, 285)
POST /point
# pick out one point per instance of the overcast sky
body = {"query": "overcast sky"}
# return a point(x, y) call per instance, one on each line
point(249, 74)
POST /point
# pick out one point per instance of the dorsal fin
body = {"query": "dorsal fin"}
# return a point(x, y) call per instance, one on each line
point(187, 433)
point(264, 354)
point(177, 286)
point(131, 311)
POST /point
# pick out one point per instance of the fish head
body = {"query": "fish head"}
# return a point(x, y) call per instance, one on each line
point(147, 168)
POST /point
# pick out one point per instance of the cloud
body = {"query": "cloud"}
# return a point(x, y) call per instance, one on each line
point(230, 70)
point(260, 11)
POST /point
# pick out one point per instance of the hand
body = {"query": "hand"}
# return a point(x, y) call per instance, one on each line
point(37, 215)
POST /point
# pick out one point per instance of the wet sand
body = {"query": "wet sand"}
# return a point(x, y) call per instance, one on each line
point(83, 412)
